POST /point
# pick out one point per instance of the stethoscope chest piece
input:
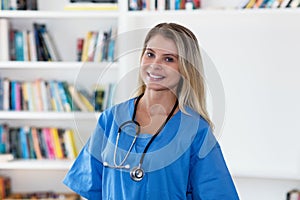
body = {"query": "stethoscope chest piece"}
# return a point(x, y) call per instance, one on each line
point(137, 173)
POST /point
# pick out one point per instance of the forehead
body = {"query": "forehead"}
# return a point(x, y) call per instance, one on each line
point(162, 44)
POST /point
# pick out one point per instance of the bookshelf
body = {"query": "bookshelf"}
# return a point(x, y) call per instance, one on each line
point(255, 48)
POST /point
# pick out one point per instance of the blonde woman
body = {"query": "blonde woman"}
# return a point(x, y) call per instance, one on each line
point(159, 144)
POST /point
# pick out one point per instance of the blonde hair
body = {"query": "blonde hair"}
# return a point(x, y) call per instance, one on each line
point(191, 91)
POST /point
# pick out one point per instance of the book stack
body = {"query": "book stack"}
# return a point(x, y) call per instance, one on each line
point(32, 45)
point(272, 4)
point(108, 5)
point(52, 95)
point(97, 46)
point(5, 186)
point(44, 195)
point(19, 5)
point(37, 143)
point(161, 5)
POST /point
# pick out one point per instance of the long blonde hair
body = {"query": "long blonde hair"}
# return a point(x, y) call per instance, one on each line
point(191, 91)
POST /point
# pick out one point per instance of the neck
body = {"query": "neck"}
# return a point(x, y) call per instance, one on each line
point(158, 103)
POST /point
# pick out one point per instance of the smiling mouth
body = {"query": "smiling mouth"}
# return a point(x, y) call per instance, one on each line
point(155, 77)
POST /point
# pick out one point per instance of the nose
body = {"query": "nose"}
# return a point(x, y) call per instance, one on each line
point(156, 64)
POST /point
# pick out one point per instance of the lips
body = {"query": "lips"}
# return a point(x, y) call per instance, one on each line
point(155, 76)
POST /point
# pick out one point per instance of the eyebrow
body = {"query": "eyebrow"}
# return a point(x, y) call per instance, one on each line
point(166, 54)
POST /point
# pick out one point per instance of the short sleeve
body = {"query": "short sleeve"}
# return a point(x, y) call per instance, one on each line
point(209, 175)
point(85, 176)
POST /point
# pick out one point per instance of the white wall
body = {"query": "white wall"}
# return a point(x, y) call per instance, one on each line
point(255, 54)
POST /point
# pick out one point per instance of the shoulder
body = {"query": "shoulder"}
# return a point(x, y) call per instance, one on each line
point(191, 114)
point(204, 139)
point(115, 112)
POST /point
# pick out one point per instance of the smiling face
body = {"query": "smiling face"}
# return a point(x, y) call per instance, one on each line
point(160, 65)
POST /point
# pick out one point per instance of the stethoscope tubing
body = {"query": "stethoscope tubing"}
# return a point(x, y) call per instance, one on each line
point(137, 173)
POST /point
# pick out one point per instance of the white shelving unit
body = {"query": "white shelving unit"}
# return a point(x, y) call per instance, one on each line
point(255, 53)
point(65, 27)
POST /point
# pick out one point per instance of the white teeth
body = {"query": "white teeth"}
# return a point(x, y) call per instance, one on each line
point(155, 76)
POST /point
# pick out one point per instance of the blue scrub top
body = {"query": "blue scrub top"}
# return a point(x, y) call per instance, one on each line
point(183, 162)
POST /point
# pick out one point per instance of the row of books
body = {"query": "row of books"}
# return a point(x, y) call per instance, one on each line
point(6, 192)
point(33, 45)
point(5, 186)
point(52, 95)
point(26, 45)
point(196, 4)
point(18, 4)
point(37, 143)
point(97, 46)
point(272, 4)
point(163, 4)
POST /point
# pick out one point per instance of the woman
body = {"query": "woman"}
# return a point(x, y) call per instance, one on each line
point(159, 144)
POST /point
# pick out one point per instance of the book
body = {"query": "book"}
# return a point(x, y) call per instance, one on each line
point(32, 4)
point(50, 46)
point(85, 100)
point(12, 46)
point(63, 96)
point(25, 46)
point(4, 157)
point(41, 47)
point(19, 45)
point(111, 45)
point(49, 142)
point(13, 95)
point(70, 144)
point(57, 145)
point(284, 3)
point(92, 46)
point(294, 4)
point(258, 3)
point(99, 98)
point(4, 39)
point(5, 186)
point(99, 47)
point(79, 48)
point(4, 139)
point(31, 150)
point(32, 46)
point(86, 44)
point(24, 142)
point(76, 98)
point(1, 95)
point(250, 4)
point(6, 94)
point(13, 138)
point(36, 145)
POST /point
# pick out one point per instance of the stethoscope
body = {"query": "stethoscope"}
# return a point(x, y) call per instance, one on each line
point(136, 173)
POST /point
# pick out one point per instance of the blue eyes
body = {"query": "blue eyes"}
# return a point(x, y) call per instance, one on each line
point(167, 59)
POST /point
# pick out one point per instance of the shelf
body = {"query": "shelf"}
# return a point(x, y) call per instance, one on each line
point(10, 65)
point(266, 175)
point(26, 115)
point(36, 164)
point(58, 14)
